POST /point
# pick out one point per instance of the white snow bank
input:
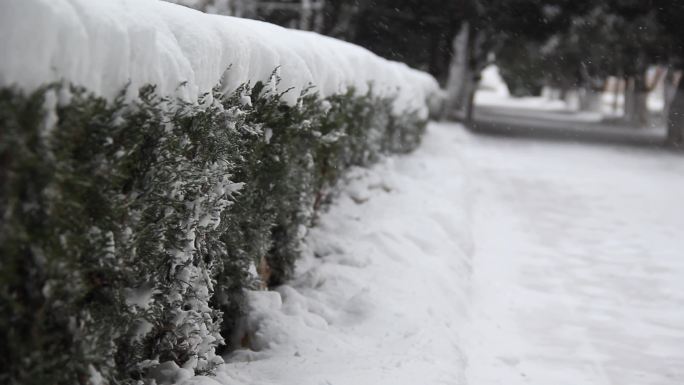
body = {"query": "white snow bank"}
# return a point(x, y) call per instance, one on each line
point(385, 299)
point(103, 45)
point(492, 82)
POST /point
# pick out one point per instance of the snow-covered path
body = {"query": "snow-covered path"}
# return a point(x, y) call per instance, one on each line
point(381, 294)
point(578, 271)
point(484, 260)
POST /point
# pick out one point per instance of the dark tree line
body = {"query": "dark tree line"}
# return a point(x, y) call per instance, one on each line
point(564, 44)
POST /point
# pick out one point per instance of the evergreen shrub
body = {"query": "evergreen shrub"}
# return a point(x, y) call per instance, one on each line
point(131, 228)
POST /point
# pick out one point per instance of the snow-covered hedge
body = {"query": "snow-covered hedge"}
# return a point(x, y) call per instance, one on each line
point(143, 184)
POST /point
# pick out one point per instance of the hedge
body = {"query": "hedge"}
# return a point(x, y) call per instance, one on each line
point(131, 228)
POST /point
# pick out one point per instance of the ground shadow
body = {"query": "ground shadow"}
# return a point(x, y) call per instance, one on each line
point(560, 125)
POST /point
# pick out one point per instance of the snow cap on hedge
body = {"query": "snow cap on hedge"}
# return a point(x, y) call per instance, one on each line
point(103, 45)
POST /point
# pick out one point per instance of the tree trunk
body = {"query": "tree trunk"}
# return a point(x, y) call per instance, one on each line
point(669, 91)
point(462, 79)
point(305, 15)
point(628, 104)
point(591, 92)
point(675, 117)
point(616, 94)
point(458, 75)
point(318, 17)
point(572, 99)
point(470, 103)
point(636, 97)
point(590, 99)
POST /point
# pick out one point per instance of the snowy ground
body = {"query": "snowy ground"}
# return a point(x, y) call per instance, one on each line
point(385, 300)
point(578, 264)
point(486, 260)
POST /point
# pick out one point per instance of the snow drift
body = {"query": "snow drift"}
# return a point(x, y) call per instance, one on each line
point(104, 45)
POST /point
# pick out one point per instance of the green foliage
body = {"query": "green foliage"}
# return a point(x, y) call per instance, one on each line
point(131, 227)
point(521, 67)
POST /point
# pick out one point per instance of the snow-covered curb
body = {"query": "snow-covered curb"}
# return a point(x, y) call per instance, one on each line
point(106, 44)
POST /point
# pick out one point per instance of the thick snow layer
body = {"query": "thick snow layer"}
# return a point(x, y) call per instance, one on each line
point(484, 260)
point(106, 44)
